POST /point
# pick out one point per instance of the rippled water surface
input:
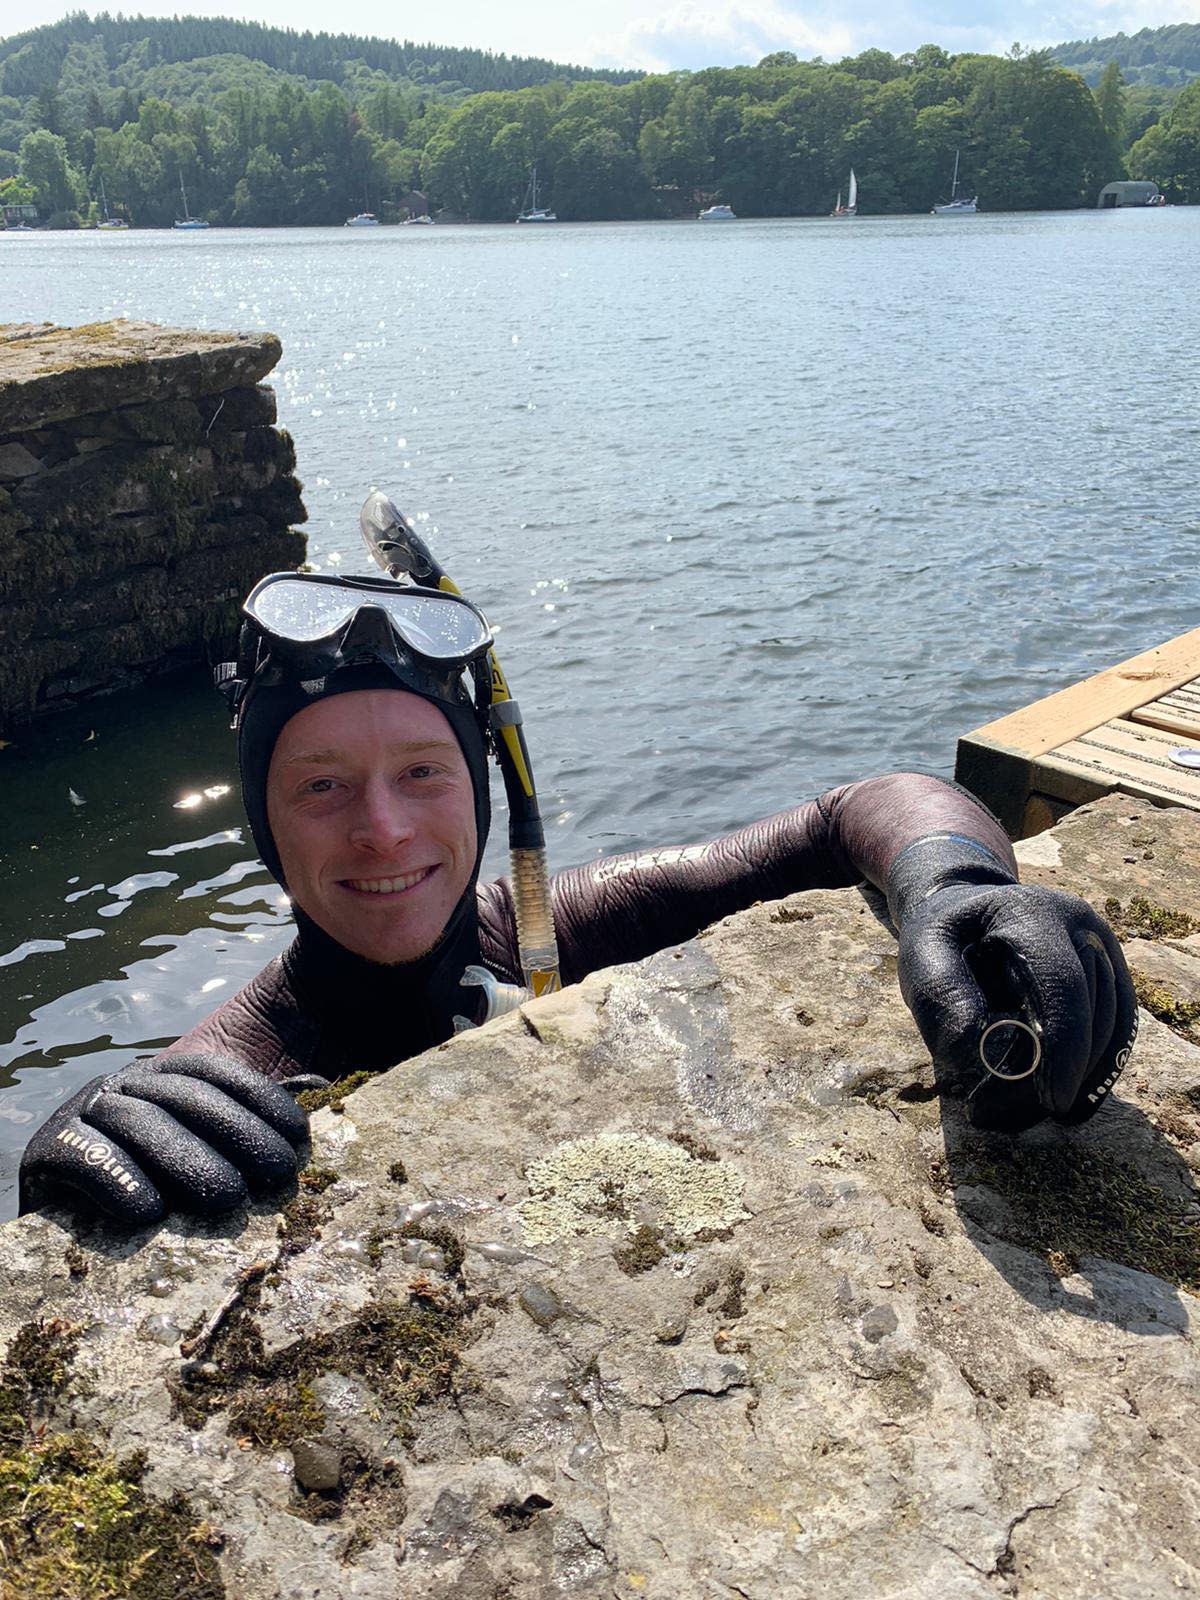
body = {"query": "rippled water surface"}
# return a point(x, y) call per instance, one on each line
point(759, 509)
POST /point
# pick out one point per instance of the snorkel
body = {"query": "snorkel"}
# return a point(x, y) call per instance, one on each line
point(396, 547)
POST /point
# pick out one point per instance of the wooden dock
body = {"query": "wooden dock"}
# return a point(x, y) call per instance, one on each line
point(1113, 732)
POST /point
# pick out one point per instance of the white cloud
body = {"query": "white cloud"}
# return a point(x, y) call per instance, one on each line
point(694, 36)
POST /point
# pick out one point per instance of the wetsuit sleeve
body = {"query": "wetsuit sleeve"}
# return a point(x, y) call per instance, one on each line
point(622, 908)
point(262, 1027)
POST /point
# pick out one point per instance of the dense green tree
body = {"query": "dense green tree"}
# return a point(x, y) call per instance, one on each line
point(59, 186)
point(15, 191)
point(1169, 152)
point(1110, 102)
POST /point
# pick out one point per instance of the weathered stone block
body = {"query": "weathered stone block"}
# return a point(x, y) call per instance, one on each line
point(50, 374)
point(147, 491)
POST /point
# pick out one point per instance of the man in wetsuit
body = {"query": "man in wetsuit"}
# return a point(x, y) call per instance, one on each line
point(364, 729)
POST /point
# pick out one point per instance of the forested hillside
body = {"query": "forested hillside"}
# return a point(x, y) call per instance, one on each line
point(130, 47)
point(1155, 57)
point(271, 127)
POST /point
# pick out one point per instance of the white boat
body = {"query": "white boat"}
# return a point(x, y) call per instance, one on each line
point(364, 219)
point(532, 212)
point(850, 209)
point(188, 220)
point(18, 227)
point(109, 224)
point(958, 205)
point(717, 214)
point(423, 221)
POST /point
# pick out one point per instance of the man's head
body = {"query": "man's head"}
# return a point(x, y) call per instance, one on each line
point(361, 709)
point(372, 808)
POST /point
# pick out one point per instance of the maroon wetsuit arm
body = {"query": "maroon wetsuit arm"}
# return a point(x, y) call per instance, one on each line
point(262, 1026)
point(622, 908)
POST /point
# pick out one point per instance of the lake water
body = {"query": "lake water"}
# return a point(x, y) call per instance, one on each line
point(759, 508)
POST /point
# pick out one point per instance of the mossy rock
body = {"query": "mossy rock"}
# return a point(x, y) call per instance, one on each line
point(51, 374)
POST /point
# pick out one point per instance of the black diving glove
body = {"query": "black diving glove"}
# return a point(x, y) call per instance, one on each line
point(191, 1133)
point(1021, 994)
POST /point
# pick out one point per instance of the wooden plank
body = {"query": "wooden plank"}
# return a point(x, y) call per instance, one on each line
point(1115, 692)
point(1123, 755)
point(1177, 712)
point(1187, 727)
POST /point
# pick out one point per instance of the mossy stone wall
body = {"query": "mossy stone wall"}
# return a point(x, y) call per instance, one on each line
point(144, 488)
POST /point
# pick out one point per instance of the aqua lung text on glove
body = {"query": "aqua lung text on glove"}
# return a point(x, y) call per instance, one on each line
point(98, 1154)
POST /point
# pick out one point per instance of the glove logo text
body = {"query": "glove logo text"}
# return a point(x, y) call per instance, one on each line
point(98, 1154)
point(1122, 1057)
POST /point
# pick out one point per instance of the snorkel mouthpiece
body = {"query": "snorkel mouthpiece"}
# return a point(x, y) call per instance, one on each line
point(394, 543)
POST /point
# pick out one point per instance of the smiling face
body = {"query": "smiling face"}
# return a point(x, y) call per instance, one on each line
point(370, 802)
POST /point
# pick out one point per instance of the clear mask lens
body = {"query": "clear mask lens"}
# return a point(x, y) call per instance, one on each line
point(438, 627)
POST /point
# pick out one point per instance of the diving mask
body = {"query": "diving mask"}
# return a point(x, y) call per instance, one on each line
point(304, 626)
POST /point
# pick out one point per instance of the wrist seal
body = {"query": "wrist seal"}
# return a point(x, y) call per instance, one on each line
point(935, 862)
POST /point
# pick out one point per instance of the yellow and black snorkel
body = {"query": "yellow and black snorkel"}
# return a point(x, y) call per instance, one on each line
point(402, 553)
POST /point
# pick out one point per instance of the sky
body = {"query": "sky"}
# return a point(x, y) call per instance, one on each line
point(679, 33)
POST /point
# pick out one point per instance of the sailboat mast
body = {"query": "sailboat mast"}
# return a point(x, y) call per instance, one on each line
point(183, 196)
point(954, 179)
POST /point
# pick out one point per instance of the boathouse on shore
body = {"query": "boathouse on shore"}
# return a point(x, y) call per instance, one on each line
point(1129, 192)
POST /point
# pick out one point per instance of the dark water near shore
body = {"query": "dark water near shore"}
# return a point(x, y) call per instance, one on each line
point(759, 509)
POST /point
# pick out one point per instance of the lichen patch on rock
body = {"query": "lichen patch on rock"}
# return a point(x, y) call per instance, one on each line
point(571, 1190)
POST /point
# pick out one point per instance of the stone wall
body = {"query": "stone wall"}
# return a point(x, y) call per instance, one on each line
point(143, 490)
point(682, 1283)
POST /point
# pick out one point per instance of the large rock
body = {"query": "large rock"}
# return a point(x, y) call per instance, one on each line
point(144, 489)
point(49, 374)
point(682, 1283)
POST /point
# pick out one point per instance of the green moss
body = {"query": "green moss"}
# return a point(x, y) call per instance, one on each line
point(74, 1520)
point(1181, 1016)
point(734, 1303)
point(1067, 1203)
point(642, 1252)
point(433, 1233)
point(407, 1350)
point(317, 1179)
point(334, 1097)
point(446, 1240)
point(693, 1146)
point(1142, 920)
point(40, 1358)
point(300, 1222)
point(277, 1415)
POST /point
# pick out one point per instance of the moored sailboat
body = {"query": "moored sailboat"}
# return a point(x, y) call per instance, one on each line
point(109, 224)
point(958, 205)
point(532, 212)
point(187, 220)
point(850, 209)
